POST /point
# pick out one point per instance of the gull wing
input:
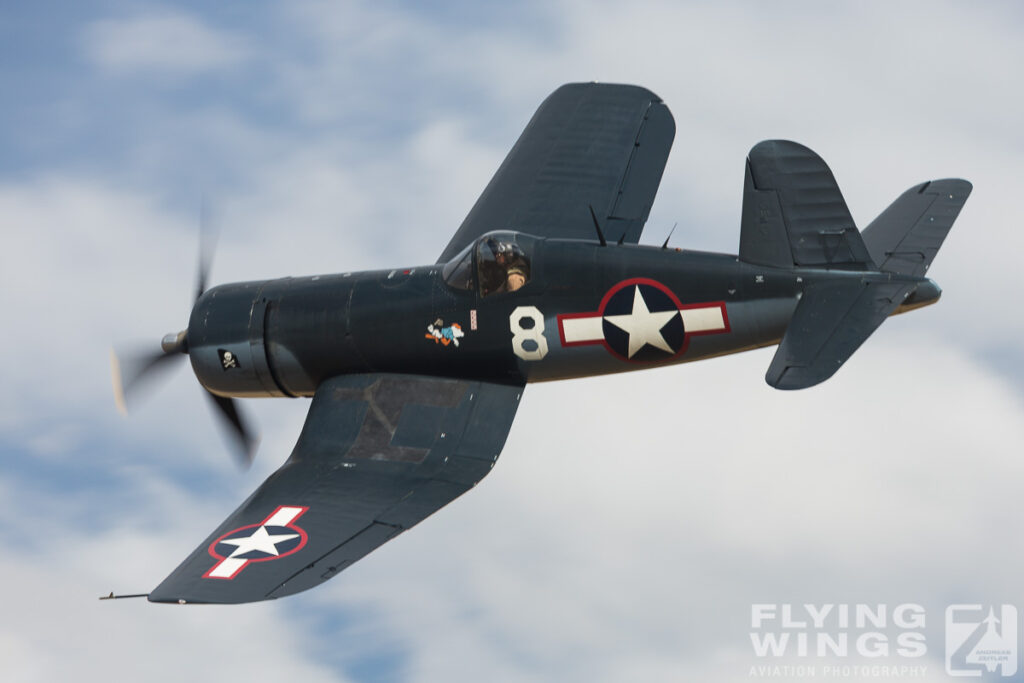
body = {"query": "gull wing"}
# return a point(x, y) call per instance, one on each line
point(378, 453)
point(590, 145)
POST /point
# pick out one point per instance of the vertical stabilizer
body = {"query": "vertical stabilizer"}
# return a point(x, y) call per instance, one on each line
point(794, 213)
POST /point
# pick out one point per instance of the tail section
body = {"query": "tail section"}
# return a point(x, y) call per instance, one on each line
point(906, 236)
point(794, 217)
point(831, 321)
point(794, 214)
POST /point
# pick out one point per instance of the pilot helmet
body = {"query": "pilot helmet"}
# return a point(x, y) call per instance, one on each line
point(500, 247)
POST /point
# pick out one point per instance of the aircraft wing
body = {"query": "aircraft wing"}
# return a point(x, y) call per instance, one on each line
point(589, 145)
point(378, 453)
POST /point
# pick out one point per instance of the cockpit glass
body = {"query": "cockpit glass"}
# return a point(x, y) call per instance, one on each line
point(498, 262)
point(503, 262)
point(458, 272)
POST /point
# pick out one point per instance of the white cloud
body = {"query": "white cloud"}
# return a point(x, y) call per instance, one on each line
point(76, 282)
point(163, 44)
point(631, 520)
point(57, 629)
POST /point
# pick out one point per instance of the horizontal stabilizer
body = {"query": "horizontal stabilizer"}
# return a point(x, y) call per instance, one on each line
point(906, 236)
point(831, 321)
point(794, 213)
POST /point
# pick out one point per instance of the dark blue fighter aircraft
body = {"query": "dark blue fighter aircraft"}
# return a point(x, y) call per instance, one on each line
point(416, 372)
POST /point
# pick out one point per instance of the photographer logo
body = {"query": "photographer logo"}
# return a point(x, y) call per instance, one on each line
point(981, 641)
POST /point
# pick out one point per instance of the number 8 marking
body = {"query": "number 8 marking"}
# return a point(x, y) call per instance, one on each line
point(534, 333)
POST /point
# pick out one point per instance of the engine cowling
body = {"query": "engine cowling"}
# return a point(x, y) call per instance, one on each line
point(273, 338)
point(226, 339)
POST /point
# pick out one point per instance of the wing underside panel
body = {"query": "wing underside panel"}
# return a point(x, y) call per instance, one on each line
point(378, 454)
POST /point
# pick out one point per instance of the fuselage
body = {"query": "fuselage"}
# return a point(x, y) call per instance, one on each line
point(585, 309)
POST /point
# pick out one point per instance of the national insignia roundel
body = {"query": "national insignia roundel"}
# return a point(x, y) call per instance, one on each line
point(275, 537)
point(642, 320)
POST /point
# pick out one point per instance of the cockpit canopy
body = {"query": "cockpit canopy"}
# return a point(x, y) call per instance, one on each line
point(497, 262)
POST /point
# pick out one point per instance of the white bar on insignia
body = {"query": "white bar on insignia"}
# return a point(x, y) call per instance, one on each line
point(703, 319)
point(583, 329)
point(283, 517)
point(227, 567)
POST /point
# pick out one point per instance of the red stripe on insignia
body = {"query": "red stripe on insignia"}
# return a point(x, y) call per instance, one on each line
point(577, 335)
point(228, 567)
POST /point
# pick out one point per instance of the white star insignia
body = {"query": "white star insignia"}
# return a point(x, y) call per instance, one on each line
point(261, 540)
point(642, 326)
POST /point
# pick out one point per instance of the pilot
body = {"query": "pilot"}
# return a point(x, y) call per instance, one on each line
point(515, 271)
point(512, 264)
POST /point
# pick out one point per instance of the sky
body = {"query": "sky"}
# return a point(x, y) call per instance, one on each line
point(632, 522)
